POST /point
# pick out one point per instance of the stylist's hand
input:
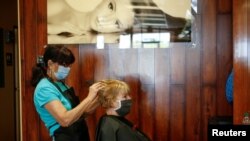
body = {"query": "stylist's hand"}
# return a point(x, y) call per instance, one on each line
point(94, 88)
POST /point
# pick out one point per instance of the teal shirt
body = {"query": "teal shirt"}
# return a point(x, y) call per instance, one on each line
point(46, 92)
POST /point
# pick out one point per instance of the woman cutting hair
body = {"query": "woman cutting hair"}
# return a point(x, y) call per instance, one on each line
point(56, 103)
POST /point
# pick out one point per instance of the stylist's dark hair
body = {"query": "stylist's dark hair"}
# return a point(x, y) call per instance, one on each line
point(56, 53)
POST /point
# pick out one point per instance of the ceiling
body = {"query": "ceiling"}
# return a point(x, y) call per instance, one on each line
point(150, 18)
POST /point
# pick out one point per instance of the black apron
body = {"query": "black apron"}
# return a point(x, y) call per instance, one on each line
point(78, 131)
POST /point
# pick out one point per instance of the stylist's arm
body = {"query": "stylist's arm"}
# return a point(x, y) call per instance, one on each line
point(56, 102)
point(65, 117)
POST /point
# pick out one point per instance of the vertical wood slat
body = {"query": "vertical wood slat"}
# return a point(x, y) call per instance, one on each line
point(248, 58)
point(147, 79)
point(146, 65)
point(224, 6)
point(162, 94)
point(241, 83)
point(41, 39)
point(131, 62)
point(177, 110)
point(74, 77)
point(28, 59)
point(193, 96)
point(116, 58)
point(209, 42)
point(177, 65)
point(208, 108)
point(224, 62)
point(208, 64)
point(101, 64)
point(146, 109)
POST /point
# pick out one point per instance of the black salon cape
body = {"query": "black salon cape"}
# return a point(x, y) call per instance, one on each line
point(115, 128)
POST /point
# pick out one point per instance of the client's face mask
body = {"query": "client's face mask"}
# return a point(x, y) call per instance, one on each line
point(124, 107)
point(62, 72)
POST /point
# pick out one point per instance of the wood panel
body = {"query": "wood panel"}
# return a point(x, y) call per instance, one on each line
point(177, 63)
point(241, 57)
point(193, 95)
point(177, 110)
point(147, 96)
point(29, 35)
point(209, 42)
point(224, 6)
point(162, 94)
point(175, 90)
point(208, 108)
point(224, 61)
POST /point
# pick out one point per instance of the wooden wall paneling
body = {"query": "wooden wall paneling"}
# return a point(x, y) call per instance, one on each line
point(224, 6)
point(177, 113)
point(208, 64)
point(29, 51)
point(43, 133)
point(101, 64)
point(209, 42)
point(131, 76)
point(87, 69)
point(116, 59)
point(146, 110)
point(177, 63)
point(87, 65)
point(208, 100)
point(146, 65)
point(131, 62)
point(162, 95)
point(41, 20)
point(147, 76)
point(224, 62)
point(240, 36)
point(32, 121)
point(73, 79)
point(248, 57)
point(193, 106)
point(193, 98)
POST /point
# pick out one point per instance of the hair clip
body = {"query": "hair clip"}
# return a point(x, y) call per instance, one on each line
point(40, 61)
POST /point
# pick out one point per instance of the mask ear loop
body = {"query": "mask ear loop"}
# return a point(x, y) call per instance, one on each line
point(119, 105)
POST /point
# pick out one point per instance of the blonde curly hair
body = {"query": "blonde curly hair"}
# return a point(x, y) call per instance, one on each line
point(108, 95)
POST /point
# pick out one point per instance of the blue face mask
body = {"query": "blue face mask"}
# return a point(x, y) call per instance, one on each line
point(62, 72)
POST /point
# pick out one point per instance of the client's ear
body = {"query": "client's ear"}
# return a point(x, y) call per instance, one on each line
point(115, 104)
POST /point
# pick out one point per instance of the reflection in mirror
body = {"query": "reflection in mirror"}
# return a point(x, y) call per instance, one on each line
point(194, 6)
point(146, 23)
point(100, 42)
